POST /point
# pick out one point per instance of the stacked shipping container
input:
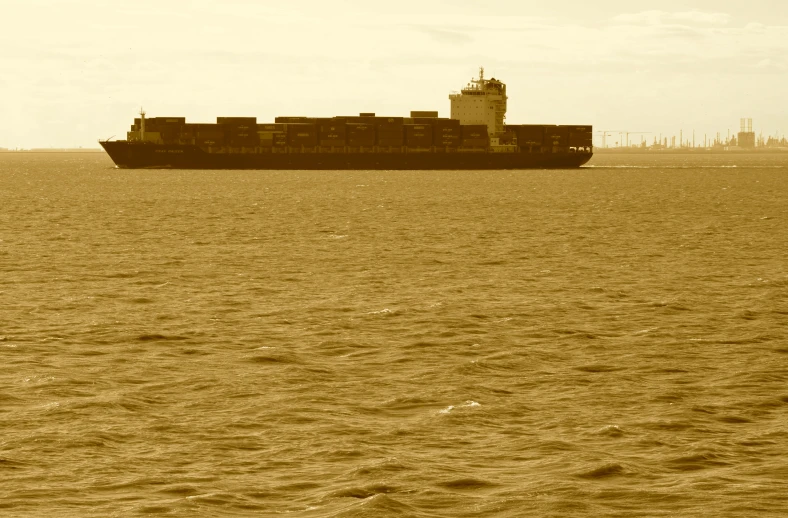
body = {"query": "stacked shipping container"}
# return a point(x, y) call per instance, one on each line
point(424, 114)
point(580, 136)
point(423, 131)
point(239, 132)
point(446, 132)
point(360, 135)
point(268, 134)
point(390, 131)
point(302, 135)
point(547, 138)
point(418, 135)
point(475, 136)
point(332, 132)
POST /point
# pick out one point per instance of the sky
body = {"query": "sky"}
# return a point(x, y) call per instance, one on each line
point(75, 71)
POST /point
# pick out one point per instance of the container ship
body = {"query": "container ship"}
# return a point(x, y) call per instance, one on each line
point(476, 136)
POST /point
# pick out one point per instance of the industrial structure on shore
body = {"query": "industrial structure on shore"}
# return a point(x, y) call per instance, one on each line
point(745, 140)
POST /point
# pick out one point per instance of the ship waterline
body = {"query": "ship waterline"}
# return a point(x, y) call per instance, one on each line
point(130, 155)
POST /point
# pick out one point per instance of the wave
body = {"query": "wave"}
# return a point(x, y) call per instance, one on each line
point(604, 471)
point(466, 483)
point(158, 337)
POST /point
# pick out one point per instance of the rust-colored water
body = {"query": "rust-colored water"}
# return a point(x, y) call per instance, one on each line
point(609, 341)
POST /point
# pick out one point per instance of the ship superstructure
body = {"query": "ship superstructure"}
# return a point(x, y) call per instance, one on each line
point(475, 136)
point(482, 101)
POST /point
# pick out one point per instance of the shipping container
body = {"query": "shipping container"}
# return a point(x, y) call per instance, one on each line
point(435, 122)
point(301, 128)
point(580, 136)
point(167, 134)
point(210, 132)
point(389, 121)
point(272, 127)
point(394, 130)
point(165, 121)
point(445, 123)
point(418, 135)
point(475, 142)
point(366, 114)
point(359, 129)
point(556, 136)
point(302, 135)
point(339, 119)
point(529, 134)
point(447, 130)
point(332, 127)
point(361, 135)
point(430, 114)
point(390, 132)
point(301, 120)
point(237, 121)
point(245, 139)
point(189, 130)
point(241, 129)
point(474, 131)
point(448, 141)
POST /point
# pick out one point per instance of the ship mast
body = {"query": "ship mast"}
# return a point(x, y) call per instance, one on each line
point(480, 82)
point(142, 124)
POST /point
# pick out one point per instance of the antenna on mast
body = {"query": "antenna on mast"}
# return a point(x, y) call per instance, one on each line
point(481, 74)
point(142, 124)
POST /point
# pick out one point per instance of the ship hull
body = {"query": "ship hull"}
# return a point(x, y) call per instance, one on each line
point(133, 155)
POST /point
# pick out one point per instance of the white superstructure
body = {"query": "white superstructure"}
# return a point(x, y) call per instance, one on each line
point(482, 101)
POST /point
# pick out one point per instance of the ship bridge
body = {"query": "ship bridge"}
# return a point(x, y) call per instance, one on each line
point(482, 101)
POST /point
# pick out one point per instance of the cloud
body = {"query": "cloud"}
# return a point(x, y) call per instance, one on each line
point(655, 17)
point(446, 36)
point(703, 18)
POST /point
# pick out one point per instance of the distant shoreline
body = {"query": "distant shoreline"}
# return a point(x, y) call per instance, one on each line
point(687, 151)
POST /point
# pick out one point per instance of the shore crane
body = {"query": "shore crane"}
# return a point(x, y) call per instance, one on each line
point(605, 133)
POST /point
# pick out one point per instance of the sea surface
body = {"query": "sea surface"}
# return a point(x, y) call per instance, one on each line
point(608, 341)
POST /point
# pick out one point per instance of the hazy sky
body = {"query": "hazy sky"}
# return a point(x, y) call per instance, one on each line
point(75, 71)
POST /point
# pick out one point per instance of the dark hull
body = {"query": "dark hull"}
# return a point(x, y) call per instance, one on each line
point(143, 155)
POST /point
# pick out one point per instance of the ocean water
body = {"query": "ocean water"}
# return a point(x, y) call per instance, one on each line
point(609, 341)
